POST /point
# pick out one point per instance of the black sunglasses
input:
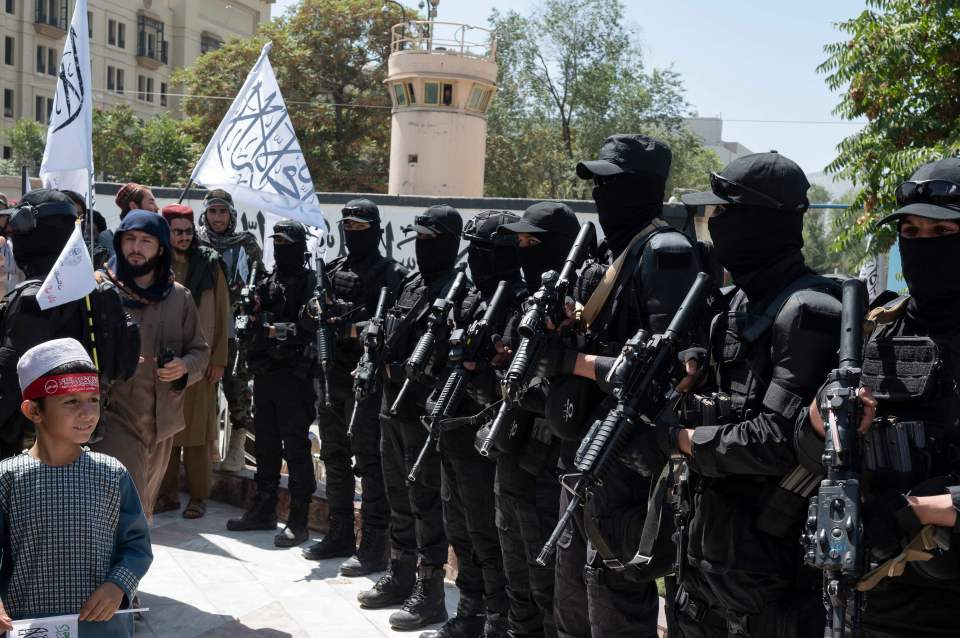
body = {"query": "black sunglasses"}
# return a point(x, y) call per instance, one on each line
point(931, 191)
point(727, 188)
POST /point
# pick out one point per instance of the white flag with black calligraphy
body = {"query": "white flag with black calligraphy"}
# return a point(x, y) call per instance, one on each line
point(255, 154)
point(68, 156)
point(71, 277)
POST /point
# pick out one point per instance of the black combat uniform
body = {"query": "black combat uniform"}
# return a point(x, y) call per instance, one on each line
point(596, 594)
point(416, 510)
point(742, 572)
point(526, 485)
point(279, 349)
point(356, 281)
point(912, 366)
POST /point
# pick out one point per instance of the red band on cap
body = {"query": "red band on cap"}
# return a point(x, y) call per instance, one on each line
point(62, 384)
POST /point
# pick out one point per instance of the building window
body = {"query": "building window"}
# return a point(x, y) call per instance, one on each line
point(431, 93)
point(51, 61)
point(112, 32)
point(38, 104)
point(7, 152)
point(41, 59)
point(141, 87)
point(399, 97)
point(8, 103)
point(121, 35)
point(410, 94)
point(90, 24)
point(149, 89)
point(120, 81)
point(53, 13)
point(150, 42)
point(111, 79)
point(11, 8)
point(8, 49)
point(209, 43)
point(163, 94)
point(49, 109)
point(447, 96)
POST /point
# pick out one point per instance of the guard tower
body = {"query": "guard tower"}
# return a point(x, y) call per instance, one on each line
point(441, 78)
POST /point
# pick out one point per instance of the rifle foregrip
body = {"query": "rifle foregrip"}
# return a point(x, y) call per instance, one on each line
point(418, 360)
point(523, 360)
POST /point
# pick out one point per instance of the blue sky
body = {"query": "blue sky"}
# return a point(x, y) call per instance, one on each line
point(741, 59)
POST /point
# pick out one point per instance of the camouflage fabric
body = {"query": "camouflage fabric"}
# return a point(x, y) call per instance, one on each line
point(236, 387)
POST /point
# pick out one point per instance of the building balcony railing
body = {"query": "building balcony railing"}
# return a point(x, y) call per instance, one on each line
point(430, 36)
point(50, 18)
point(153, 57)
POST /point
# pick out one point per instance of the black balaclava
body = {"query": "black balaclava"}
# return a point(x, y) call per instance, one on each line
point(490, 265)
point(36, 252)
point(931, 273)
point(362, 244)
point(289, 257)
point(438, 255)
point(547, 255)
point(626, 205)
point(749, 240)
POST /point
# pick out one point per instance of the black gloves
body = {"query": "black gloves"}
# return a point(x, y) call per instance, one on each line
point(556, 360)
point(888, 523)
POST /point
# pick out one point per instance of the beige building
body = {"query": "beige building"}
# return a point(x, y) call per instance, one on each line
point(134, 45)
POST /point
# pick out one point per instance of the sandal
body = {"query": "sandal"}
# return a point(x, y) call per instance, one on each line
point(165, 504)
point(195, 509)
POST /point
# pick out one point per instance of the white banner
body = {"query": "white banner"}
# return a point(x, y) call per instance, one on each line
point(71, 277)
point(255, 154)
point(52, 627)
point(68, 156)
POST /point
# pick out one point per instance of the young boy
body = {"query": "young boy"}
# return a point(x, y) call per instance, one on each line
point(73, 537)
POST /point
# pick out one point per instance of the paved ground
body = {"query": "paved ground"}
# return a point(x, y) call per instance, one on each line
point(206, 581)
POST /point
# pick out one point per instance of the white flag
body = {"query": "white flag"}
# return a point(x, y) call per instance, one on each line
point(68, 156)
point(255, 155)
point(53, 626)
point(870, 274)
point(71, 277)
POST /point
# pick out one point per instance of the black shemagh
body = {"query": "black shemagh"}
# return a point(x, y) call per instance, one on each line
point(930, 270)
point(289, 257)
point(749, 239)
point(437, 255)
point(362, 244)
point(488, 266)
point(625, 207)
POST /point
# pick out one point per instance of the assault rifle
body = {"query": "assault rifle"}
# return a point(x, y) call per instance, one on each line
point(834, 526)
point(324, 343)
point(366, 378)
point(547, 303)
point(436, 320)
point(474, 344)
point(641, 377)
point(248, 307)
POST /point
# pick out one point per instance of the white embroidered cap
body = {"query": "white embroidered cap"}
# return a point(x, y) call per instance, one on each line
point(44, 357)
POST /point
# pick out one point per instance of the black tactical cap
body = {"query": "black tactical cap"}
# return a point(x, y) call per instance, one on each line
point(769, 179)
point(291, 230)
point(933, 191)
point(437, 220)
point(488, 227)
point(547, 217)
point(628, 154)
point(47, 202)
point(360, 210)
point(218, 196)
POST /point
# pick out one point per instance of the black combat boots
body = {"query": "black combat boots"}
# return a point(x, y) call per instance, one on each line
point(393, 587)
point(468, 623)
point(496, 625)
point(372, 556)
point(425, 605)
point(296, 530)
point(339, 541)
point(261, 515)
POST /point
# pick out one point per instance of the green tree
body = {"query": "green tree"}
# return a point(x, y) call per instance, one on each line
point(169, 153)
point(570, 74)
point(899, 67)
point(117, 143)
point(330, 59)
point(27, 140)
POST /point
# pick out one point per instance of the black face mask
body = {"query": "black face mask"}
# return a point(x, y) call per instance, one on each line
point(748, 240)
point(930, 270)
point(547, 255)
point(143, 269)
point(437, 255)
point(362, 244)
point(488, 266)
point(37, 251)
point(288, 257)
point(625, 207)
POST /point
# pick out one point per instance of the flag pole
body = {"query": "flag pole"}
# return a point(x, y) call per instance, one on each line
point(24, 181)
point(185, 189)
point(87, 311)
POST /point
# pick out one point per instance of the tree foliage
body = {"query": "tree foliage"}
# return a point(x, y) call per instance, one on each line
point(330, 58)
point(27, 139)
point(899, 68)
point(570, 74)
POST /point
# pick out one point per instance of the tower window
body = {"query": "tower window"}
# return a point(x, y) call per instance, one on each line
point(410, 94)
point(431, 93)
point(398, 95)
point(447, 95)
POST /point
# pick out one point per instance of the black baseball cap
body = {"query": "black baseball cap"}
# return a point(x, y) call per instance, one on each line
point(360, 210)
point(628, 153)
point(933, 191)
point(547, 217)
point(769, 179)
point(437, 220)
point(291, 230)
